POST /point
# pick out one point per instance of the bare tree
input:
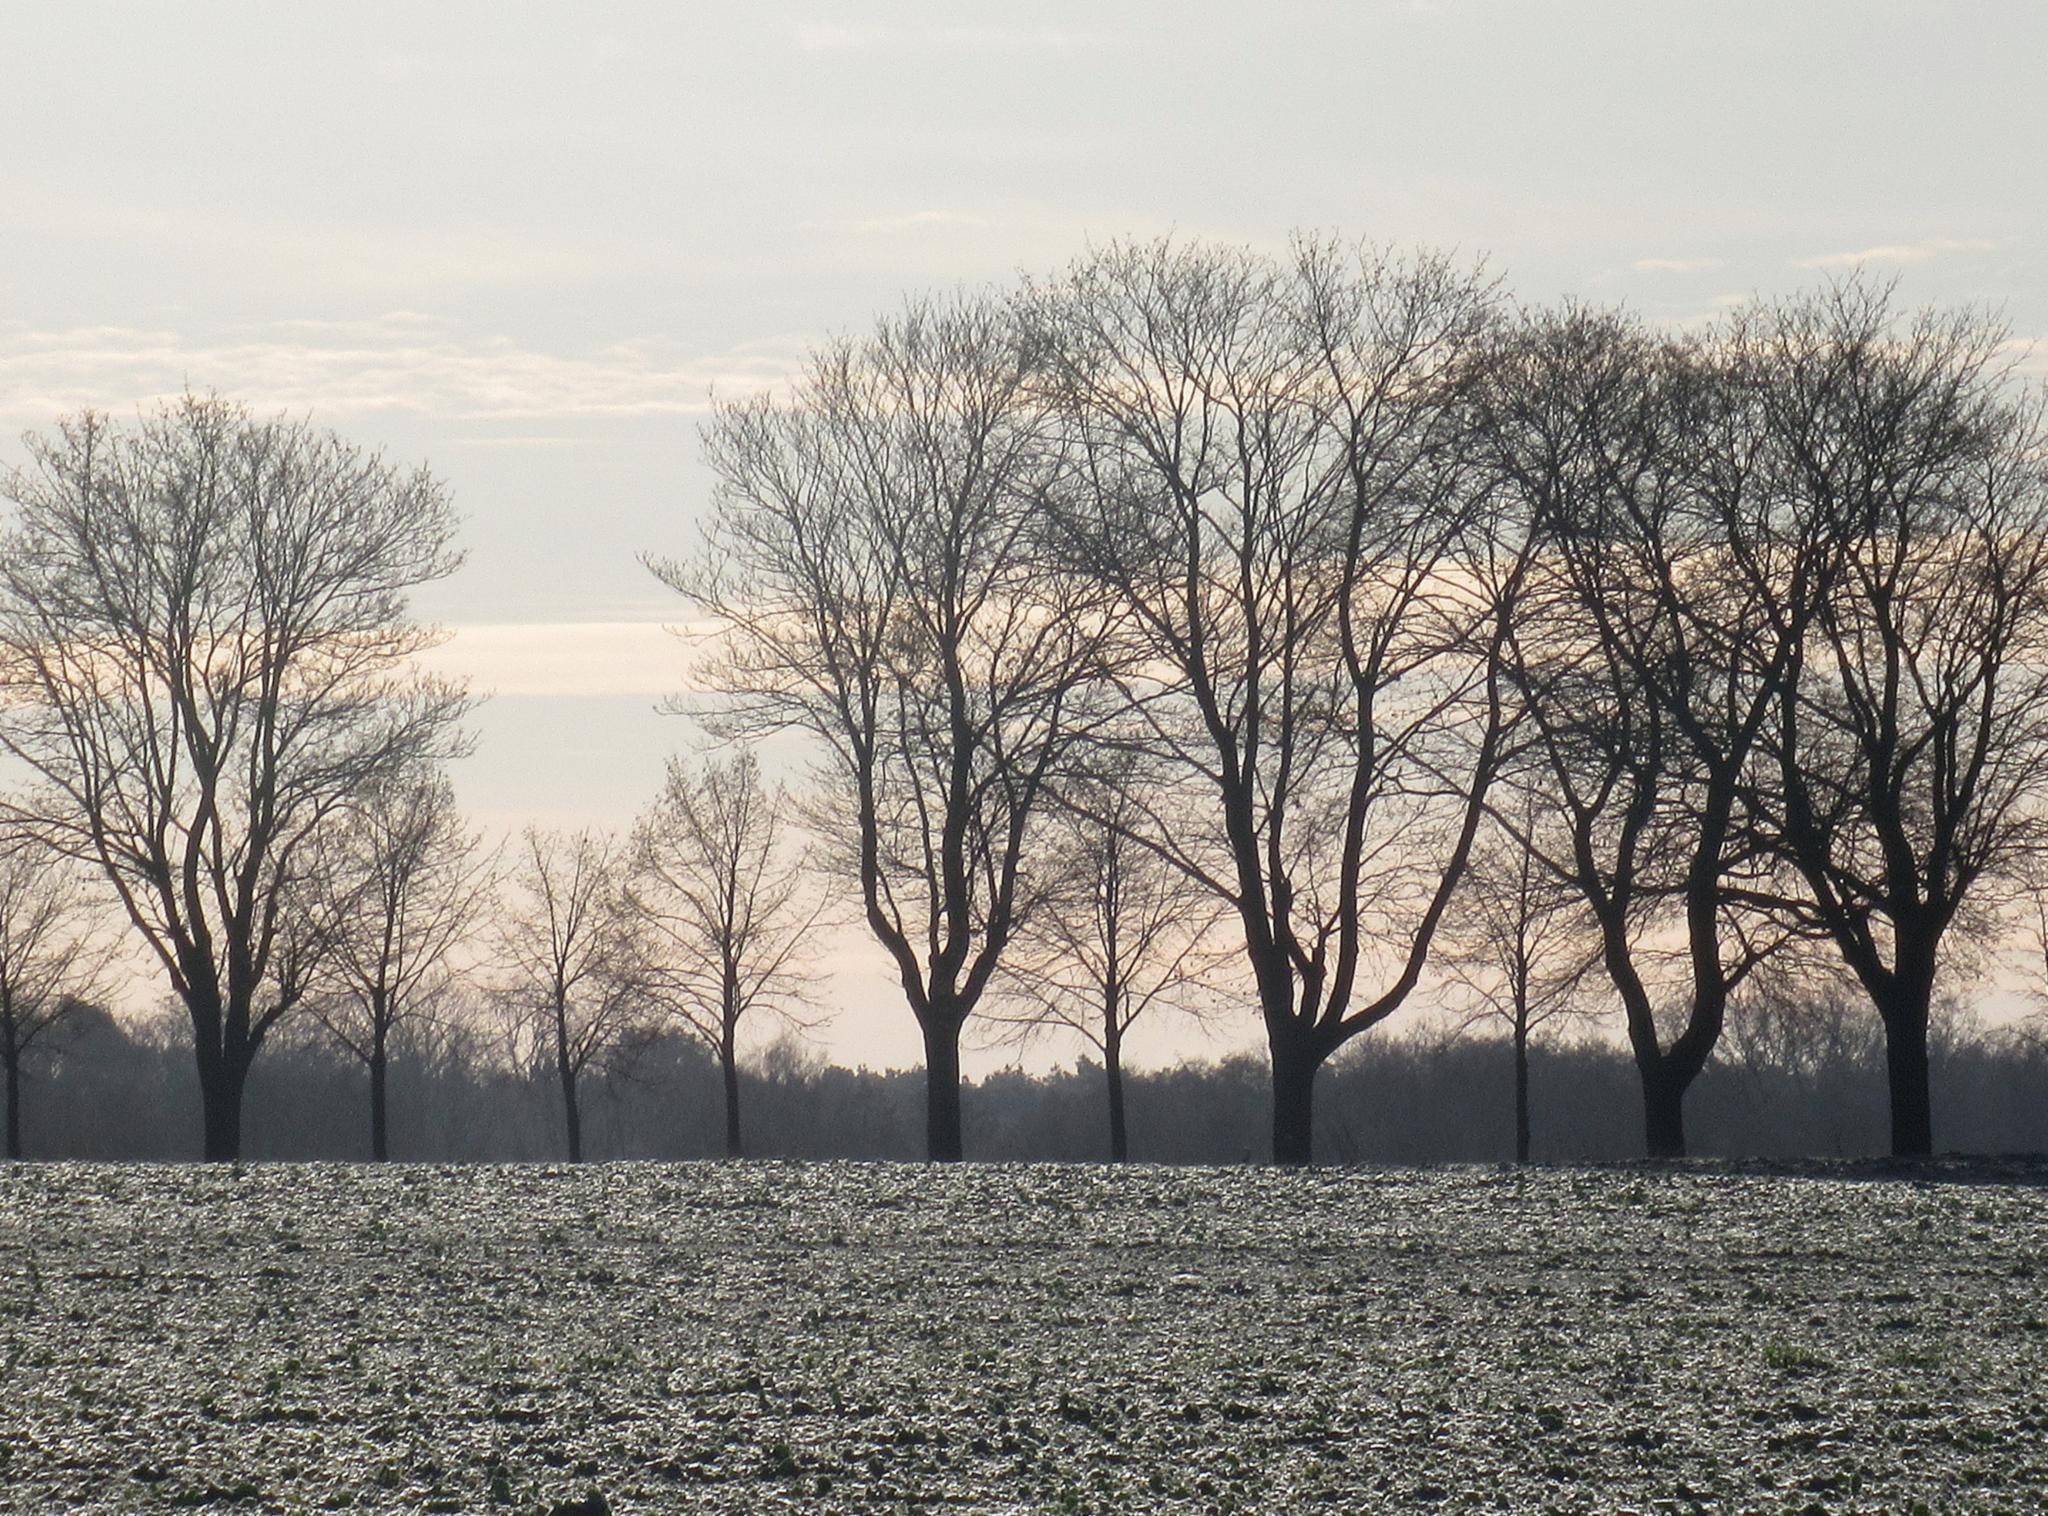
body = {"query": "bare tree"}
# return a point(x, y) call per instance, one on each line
point(726, 909)
point(1118, 933)
point(1275, 498)
point(1647, 675)
point(399, 881)
point(572, 961)
point(55, 958)
point(204, 654)
point(1911, 746)
point(1517, 945)
point(876, 560)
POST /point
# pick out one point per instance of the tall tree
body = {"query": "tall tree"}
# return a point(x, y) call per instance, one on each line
point(1911, 746)
point(726, 909)
point(205, 653)
point(55, 959)
point(573, 963)
point(1645, 675)
point(877, 562)
point(1116, 934)
point(1274, 495)
point(399, 883)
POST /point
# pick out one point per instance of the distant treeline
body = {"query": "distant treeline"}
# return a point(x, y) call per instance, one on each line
point(1421, 1097)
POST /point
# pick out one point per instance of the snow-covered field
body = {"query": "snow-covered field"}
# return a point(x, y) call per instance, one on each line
point(1007, 1338)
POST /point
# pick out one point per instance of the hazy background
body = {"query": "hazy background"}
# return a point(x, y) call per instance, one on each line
point(526, 243)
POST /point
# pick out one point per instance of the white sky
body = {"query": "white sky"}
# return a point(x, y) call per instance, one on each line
point(524, 242)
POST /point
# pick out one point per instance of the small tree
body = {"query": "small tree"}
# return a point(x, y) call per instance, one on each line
point(55, 955)
point(1118, 932)
point(724, 912)
point(1806, 1032)
point(572, 963)
point(205, 654)
point(400, 882)
point(1518, 945)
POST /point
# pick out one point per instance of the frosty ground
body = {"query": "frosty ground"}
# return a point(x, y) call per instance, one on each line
point(1007, 1338)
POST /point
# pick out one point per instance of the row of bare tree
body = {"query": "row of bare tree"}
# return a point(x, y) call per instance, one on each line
point(559, 950)
point(700, 921)
point(1314, 578)
point(210, 699)
point(1195, 623)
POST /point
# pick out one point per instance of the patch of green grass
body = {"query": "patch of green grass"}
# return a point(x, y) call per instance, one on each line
point(1795, 1358)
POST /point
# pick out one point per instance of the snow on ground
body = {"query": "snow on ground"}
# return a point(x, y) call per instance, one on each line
point(1012, 1338)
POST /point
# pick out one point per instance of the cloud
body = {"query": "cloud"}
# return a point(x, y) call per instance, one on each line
point(2027, 355)
point(399, 362)
point(391, 259)
point(1676, 265)
point(915, 221)
point(843, 37)
point(536, 440)
point(638, 658)
point(1899, 252)
point(946, 244)
point(837, 37)
point(370, 326)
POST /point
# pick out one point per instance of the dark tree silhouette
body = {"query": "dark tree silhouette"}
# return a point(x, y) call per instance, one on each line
point(204, 655)
point(55, 959)
point(727, 913)
point(572, 990)
point(877, 564)
point(1911, 745)
point(1275, 495)
point(1647, 675)
point(398, 883)
point(1116, 934)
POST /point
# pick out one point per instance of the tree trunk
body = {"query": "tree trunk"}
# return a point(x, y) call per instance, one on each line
point(1905, 1059)
point(1667, 1073)
point(1294, 1082)
point(572, 1115)
point(729, 1067)
point(1113, 1072)
point(1521, 1094)
point(942, 1091)
point(1663, 1113)
point(379, 1061)
point(220, 1099)
point(13, 1059)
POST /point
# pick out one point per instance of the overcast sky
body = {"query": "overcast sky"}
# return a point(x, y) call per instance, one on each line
point(525, 243)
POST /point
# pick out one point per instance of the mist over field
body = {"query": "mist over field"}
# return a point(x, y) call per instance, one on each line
point(1407, 1099)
